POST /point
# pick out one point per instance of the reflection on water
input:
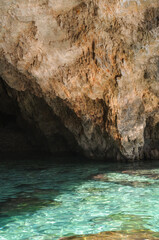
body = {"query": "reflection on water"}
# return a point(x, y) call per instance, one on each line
point(45, 200)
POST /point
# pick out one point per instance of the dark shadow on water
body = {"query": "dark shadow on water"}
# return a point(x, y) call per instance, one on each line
point(32, 188)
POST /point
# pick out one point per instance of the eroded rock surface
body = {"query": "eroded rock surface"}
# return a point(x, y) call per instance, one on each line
point(85, 72)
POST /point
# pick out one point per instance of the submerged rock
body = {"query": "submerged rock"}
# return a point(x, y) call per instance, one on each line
point(146, 173)
point(44, 194)
point(27, 203)
point(133, 235)
point(123, 179)
point(127, 221)
point(83, 76)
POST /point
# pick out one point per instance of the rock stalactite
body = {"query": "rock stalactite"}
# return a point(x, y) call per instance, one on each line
point(84, 74)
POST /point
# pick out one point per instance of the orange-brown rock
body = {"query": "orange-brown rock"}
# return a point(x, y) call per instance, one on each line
point(134, 235)
point(93, 65)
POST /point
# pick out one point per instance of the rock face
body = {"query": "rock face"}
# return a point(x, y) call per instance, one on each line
point(85, 73)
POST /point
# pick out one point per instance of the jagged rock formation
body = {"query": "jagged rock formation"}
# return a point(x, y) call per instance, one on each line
point(85, 72)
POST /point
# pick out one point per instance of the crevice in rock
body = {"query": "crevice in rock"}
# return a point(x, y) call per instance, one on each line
point(93, 50)
point(151, 137)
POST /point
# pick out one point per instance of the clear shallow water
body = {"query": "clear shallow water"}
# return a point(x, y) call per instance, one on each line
point(45, 200)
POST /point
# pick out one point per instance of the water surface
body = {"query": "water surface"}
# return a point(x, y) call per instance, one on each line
point(40, 199)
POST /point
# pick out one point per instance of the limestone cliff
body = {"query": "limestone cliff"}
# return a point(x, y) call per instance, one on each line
point(85, 73)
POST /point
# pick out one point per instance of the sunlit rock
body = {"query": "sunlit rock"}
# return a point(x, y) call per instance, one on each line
point(85, 74)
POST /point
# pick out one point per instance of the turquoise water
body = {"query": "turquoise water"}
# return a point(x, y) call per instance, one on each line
point(46, 200)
